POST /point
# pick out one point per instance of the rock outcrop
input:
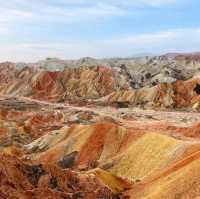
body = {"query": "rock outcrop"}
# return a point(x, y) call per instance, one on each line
point(101, 129)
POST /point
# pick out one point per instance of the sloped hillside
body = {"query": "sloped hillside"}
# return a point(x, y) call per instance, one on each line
point(100, 129)
point(181, 94)
point(85, 83)
point(181, 180)
point(49, 152)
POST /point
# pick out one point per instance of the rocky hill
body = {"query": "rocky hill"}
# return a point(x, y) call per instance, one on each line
point(163, 81)
point(101, 129)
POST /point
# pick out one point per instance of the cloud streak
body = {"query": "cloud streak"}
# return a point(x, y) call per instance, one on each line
point(157, 2)
point(76, 10)
point(22, 12)
point(41, 11)
point(22, 23)
point(159, 42)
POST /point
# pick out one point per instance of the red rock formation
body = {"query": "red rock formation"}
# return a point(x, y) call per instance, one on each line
point(47, 86)
point(41, 123)
point(26, 181)
point(57, 150)
point(7, 73)
point(84, 82)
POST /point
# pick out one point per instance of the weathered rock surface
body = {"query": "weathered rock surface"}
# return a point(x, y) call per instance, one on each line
point(101, 129)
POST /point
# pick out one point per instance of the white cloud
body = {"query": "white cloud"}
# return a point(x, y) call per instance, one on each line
point(74, 10)
point(157, 2)
point(81, 13)
point(154, 3)
point(22, 12)
point(4, 28)
point(123, 2)
point(186, 39)
point(148, 38)
point(182, 40)
point(45, 10)
point(29, 52)
point(19, 13)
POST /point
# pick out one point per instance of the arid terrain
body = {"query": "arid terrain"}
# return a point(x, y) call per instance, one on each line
point(101, 129)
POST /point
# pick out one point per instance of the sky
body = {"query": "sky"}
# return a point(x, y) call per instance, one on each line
point(31, 30)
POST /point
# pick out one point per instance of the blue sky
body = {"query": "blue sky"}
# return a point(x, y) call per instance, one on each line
point(34, 29)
